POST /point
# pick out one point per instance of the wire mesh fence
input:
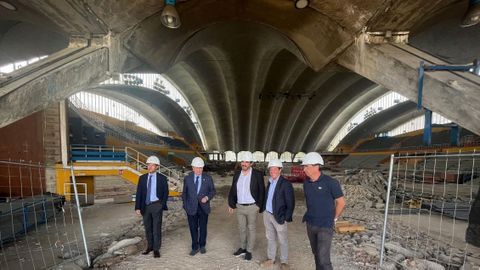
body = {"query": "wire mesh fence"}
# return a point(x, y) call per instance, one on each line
point(38, 229)
point(430, 208)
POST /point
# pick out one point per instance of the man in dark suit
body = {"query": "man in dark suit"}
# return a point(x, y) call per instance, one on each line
point(198, 190)
point(150, 201)
point(247, 195)
point(279, 205)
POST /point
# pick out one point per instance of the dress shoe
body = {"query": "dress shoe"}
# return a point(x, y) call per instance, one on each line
point(194, 251)
point(156, 254)
point(239, 252)
point(203, 250)
point(267, 263)
point(147, 251)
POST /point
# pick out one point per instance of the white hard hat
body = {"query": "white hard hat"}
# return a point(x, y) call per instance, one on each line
point(153, 160)
point(245, 156)
point(312, 158)
point(275, 163)
point(198, 162)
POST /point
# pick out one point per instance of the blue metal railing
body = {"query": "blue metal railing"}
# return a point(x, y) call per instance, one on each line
point(96, 153)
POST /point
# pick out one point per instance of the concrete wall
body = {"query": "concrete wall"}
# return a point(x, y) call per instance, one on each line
point(34, 139)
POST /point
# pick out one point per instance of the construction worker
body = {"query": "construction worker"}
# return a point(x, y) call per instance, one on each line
point(279, 205)
point(150, 201)
point(198, 191)
point(325, 202)
point(246, 195)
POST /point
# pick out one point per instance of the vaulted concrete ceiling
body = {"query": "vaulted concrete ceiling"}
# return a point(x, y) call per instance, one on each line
point(260, 74)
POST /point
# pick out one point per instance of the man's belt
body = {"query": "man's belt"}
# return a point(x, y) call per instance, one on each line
point(157, 201)
point(246, 204)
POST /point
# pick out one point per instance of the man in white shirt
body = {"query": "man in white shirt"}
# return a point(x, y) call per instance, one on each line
point(247, 195)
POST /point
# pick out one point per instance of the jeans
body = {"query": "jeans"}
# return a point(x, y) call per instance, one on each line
point(321, 242)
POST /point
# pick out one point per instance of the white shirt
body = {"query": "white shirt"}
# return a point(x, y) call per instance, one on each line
point(243, 188)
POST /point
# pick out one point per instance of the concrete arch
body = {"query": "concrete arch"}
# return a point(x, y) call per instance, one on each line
point(183, 78)
point(156, 107)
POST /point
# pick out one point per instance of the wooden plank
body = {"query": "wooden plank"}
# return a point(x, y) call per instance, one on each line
point(351, 228)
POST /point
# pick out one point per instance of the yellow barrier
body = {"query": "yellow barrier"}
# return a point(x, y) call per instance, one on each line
point(123, 170)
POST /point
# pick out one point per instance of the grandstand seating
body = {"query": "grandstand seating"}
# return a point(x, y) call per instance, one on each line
point(413, 140)
point(91, 128)
point(363, 161)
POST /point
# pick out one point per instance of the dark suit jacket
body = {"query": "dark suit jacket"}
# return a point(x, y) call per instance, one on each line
point(257, 189)
point(191, 199)
point(283, 201)
point(141, 195)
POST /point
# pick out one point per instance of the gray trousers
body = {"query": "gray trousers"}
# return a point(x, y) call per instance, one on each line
point(274, 232)
point(321, 242)
point(152, 221)
point(247, 218)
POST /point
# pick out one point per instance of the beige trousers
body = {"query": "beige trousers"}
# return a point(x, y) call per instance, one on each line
point(247, 217)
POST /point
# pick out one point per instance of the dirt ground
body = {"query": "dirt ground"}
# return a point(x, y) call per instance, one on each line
point(222, 241)
point(107, 222)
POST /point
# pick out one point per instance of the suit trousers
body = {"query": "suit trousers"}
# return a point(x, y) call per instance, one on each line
point(152, 221)
point(320, 242)
point(276, 232)
point(247, 217)
point(198, 228)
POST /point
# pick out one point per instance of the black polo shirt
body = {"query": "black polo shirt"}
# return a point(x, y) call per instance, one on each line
point(320, 198)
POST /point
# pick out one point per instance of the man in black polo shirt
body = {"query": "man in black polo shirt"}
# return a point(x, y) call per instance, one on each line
point(325, 203)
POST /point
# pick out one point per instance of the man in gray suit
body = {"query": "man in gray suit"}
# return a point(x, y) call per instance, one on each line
point(198, 190)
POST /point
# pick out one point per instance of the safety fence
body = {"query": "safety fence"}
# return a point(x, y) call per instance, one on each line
point(38, 229)
point(432, 212)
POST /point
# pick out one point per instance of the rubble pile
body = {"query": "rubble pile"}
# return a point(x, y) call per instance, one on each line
point(405, 248)
point(409, 249)
point(132, 239)
point(364, 189)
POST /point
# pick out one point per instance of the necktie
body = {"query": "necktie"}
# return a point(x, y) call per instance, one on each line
point(149, 187)
point(197, 183)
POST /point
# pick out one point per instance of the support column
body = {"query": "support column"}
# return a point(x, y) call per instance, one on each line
point(454, 135)
point(64, 132)
point(427, 129)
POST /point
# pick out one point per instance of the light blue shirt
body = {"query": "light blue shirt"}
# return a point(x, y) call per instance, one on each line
point(153, 187)
point(198, 178)
point(271, 190)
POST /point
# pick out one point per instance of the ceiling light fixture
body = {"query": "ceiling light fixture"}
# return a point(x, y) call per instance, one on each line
point(170, 17)
point(301, 3)
point(8, 5)
point(472, 16)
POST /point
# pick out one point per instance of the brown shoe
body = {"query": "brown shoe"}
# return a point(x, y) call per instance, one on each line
point(284, 266)
point(267, 263)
